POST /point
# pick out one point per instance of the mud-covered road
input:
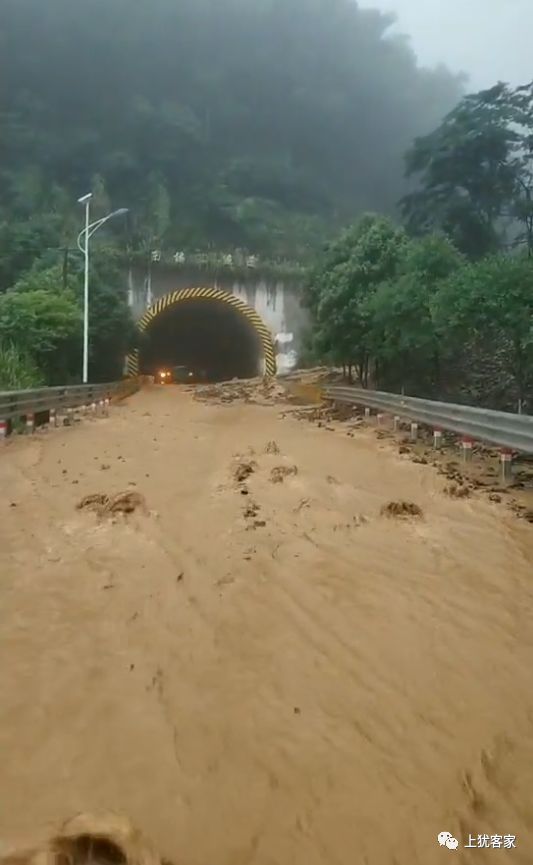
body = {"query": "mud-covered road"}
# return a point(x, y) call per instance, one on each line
point(263, 669)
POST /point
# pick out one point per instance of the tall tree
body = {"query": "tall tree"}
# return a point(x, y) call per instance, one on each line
point(17, 370)
point(473, 172)
point(348, 274)
point(522, 205)
point(45, 326)
point(403, 340)
point(490, 304)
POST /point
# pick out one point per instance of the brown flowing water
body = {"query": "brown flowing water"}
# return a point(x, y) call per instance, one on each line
point(262, 668)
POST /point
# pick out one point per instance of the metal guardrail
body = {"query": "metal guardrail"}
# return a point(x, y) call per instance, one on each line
point(512, 431)
point(21, 403)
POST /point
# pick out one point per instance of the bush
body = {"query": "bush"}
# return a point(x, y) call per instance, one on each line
point(17, 371)
point(46, 326)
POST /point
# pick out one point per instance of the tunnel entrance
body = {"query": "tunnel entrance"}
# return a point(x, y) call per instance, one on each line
point(212, 333)
point(212, 339)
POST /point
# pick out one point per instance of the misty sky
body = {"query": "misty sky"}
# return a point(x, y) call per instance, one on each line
point(488, 39)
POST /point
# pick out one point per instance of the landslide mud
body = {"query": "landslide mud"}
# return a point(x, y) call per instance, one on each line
point(311, 683)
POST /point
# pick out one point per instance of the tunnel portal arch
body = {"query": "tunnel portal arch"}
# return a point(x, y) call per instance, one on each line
point(174, 298)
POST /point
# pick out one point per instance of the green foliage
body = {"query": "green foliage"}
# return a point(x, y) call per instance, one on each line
point(101, 202)
point(339, 289)
point(159, 208)
point(262, 125)
point(50, 279)
point(475, 175)
point(43, 325)
point(112, 332)
point(17, 371)
point(22, 242)
point(423, 318)
point(42, 316)
point(491, 302)
point(402, 338)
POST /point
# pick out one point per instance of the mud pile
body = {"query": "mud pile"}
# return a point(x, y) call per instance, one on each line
point(258, 391)
point(106, 839)
point(327, 412)
point(321, 374)
point(107, 506)
point(279, 473)
point(401, 510)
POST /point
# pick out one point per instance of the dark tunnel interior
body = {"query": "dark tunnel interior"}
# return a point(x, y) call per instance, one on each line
point(209, 337)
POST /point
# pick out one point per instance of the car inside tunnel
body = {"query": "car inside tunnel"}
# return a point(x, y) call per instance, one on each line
point(212, 339)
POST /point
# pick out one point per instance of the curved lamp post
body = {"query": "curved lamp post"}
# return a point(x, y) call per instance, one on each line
point(83, 245)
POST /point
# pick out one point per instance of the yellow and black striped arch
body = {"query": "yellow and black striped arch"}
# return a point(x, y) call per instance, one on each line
point(215, 294)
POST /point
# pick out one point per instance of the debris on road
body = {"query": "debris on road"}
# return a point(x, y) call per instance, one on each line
point(326, 413)
point(258, 391)
point(243, 470)
point(360, 520)
point(122, 503)
point(458, 492)
point(401, 509)
point(127, 503)
point(106, 838)
point(93, 502)
point(251, 510)
point(279, 473)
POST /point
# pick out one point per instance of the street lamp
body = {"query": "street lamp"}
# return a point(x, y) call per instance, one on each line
point(83, 246)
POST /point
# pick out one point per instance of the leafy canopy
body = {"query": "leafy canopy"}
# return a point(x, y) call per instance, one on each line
point(44, 325)
point(351, 269)
point(474, 172)
point(402, 337)
point(17, 371)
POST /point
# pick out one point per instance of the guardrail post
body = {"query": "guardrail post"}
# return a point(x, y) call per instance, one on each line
point(53, 417)
point(414, 432)
point(466, 446)
point(501, 429)
point(507, 465)
point(30, 423)
point(3, 430)
point(380, 419)
point(93, 408)
point(396, 423)
point(106, 406)
point(437, 439)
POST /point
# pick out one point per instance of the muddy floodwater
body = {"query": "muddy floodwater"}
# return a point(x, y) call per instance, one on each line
point(261, 664)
